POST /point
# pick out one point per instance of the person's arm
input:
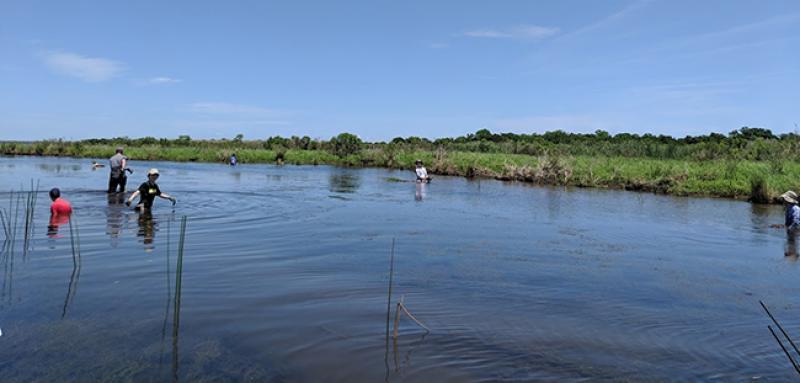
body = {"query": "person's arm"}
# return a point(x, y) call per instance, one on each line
point(124, 164)
point(169, 197)
point(134, 195)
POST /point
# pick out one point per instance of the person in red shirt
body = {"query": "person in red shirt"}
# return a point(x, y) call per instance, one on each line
point(60, 211)
point(59, 206)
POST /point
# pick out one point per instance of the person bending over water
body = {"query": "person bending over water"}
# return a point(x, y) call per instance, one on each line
point(422, 173)
point(148, 191)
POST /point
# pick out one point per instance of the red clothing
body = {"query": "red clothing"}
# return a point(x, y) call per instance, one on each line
point(60, 207)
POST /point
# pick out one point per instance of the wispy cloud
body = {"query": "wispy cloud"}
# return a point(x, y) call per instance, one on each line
point(521, 32)
point(163, 80)
point(90, 69)
point(608, 20)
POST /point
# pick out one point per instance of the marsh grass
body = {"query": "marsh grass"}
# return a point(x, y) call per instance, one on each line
point(711, 175)
point(176, 319)
point(75, 243)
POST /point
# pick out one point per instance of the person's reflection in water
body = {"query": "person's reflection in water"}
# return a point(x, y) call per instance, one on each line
point(114, 217)
point(344, 182)
point(790, 250)
point(419, 194)
point(147, 228)
point(56, 221)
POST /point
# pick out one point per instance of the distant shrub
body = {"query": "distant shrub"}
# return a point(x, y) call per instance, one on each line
point(345, 144)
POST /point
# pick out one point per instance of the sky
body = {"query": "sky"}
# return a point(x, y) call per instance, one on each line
point(382, 69)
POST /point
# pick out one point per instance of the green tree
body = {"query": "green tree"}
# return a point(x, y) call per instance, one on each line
point(345, 144)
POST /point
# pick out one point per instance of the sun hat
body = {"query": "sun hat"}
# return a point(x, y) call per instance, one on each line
point(152, 171)
point(789, 196)
point(418, 161)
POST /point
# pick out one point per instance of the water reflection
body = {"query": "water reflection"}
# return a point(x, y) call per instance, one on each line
point(56, 220)
point(345, 182)
point(115, 217)
point(147, 229)
point(72, 288)
point(57, 168)
point(7, 255)
point(790, 249)
point(420, 192)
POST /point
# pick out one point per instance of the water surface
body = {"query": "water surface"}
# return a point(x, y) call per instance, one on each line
point(285, 278)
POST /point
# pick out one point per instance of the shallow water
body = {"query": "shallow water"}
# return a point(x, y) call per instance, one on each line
point(285, 278)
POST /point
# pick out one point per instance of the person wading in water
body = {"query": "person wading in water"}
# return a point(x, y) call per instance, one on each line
point(118, 164)
point(148, 191)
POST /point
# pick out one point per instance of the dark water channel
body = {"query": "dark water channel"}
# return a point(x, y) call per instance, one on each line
point(285, 278)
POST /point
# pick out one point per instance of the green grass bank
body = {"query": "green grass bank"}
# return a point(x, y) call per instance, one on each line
point(754, 180)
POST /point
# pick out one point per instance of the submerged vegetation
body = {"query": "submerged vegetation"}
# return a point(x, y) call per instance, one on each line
point(751, 163)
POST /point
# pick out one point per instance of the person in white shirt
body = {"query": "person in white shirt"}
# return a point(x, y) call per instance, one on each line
point(422, 173)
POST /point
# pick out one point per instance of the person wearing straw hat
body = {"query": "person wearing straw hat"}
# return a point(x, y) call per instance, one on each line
point(422, 173)
point(148, 191)
point(792, 210)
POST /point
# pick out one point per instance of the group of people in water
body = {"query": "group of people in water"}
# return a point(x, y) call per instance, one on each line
point(61, 209)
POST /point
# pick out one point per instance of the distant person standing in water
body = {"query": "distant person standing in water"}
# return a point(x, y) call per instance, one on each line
point(422, 173)
point(118, 163)
point(792, 211)
point(148, 191)
point(234, 160)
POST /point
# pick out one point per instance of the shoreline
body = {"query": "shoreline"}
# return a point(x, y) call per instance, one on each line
point(751, 181)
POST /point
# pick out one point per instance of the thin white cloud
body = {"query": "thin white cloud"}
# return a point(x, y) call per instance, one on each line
point(611, 19)
point(522, 32)
point(163, 80)
point(90, 69)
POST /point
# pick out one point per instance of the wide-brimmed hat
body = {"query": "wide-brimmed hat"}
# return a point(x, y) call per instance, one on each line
point(418, 161)
point(789, 196)
point(152, 171)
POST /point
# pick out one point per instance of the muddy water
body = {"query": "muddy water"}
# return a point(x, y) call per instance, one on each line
point(285, 274)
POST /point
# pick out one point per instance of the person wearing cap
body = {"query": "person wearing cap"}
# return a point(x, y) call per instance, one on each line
point(422, 173)
point(792, 210)
point(118, 164)
point(148, 191)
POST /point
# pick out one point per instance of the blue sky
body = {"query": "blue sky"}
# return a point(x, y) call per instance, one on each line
point(382, 69)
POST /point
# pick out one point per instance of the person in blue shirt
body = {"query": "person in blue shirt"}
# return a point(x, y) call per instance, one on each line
point(234, 160)
point(792, 210)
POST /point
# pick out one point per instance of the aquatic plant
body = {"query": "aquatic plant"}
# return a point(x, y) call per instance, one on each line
point(791, 342)
point(75, 243)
